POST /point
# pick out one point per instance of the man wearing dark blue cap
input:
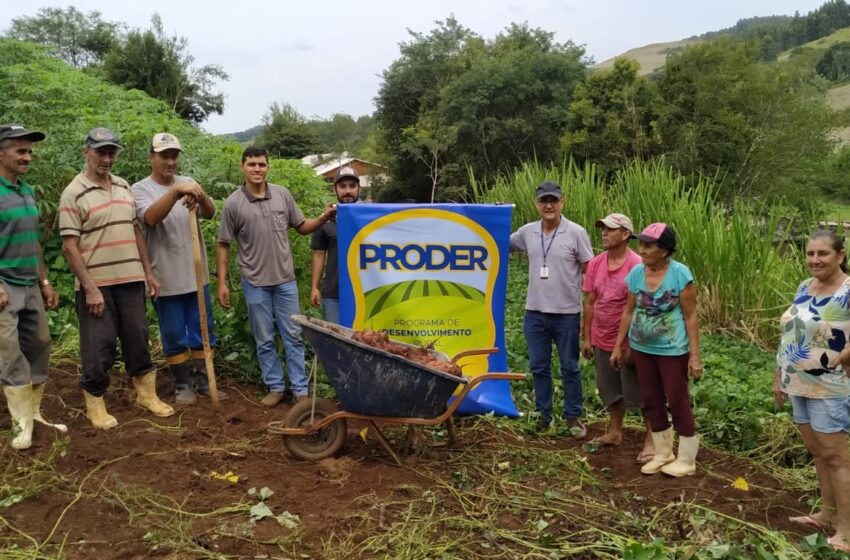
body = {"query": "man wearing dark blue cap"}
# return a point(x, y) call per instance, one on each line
point(558, 252)
point(25, 290)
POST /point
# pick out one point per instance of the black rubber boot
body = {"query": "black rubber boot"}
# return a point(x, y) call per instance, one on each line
point(183, 393)
point(200, 382)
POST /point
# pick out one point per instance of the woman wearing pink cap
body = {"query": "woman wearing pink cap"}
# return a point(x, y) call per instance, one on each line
point(660, 320)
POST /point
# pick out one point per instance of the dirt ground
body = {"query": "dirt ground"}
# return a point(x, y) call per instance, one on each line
point(144, 489)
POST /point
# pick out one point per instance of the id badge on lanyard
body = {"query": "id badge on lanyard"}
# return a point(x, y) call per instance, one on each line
point(544, 270)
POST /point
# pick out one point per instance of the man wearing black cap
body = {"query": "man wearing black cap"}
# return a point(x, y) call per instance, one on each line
point(324, 245)
point(106, 251)
point(24, 288)
point(558, 252)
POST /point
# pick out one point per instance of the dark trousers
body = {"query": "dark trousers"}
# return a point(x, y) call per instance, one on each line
point(663, 383)
point(541, 331)
point(123, 318)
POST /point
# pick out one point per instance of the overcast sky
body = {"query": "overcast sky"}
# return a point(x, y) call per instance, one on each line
point(326, 56)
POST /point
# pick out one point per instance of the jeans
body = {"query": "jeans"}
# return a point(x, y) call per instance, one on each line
point(180, 326)
point(331, 309)
point(24, 338)
point(270, 306)
point(541, 330)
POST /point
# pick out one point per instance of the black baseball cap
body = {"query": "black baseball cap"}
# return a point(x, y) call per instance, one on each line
point(99, 137)
point(18, 132)
point(346, 172)
point(548, 189)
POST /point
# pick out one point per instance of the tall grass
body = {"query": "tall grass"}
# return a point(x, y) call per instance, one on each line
point(744, 281)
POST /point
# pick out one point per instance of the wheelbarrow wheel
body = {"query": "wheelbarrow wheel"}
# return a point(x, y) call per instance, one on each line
point(316, 445)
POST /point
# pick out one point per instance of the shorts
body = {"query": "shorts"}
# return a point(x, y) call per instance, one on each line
point(615, 384)
point(826, 416)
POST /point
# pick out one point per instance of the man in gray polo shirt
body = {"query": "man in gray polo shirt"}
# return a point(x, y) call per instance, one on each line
point(257, 216)
point(558, 252)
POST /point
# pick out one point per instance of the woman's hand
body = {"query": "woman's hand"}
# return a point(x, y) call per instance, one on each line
point(695, 366)
point(778, 396)
point(616, 357)
point(842, 359)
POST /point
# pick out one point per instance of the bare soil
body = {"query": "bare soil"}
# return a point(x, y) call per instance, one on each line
point(145, 488)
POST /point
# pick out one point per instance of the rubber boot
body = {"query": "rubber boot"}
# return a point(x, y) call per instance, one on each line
point(146, 395)
point(37, 395)
point(686, 463)
point(663, 451)
point(200, 382)
point(96, 412)
point(19, 400)
point(183, 393)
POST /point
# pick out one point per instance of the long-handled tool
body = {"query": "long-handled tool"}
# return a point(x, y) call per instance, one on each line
point(202, 305)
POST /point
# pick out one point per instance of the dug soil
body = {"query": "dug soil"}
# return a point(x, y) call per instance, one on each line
point(150, 487)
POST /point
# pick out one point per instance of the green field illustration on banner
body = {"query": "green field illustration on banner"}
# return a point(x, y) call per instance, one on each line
point(387, 296)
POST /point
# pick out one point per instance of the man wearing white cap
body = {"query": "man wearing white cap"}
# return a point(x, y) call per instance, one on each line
point(605, 295)
point(165, 224)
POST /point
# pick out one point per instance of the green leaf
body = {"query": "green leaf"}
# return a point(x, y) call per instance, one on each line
point(288, 520)
point(260, 511)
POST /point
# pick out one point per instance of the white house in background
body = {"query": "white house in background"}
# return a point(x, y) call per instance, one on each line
point(326, 165)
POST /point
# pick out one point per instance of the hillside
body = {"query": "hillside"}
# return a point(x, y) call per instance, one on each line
point(842, 35)
point(650, 57)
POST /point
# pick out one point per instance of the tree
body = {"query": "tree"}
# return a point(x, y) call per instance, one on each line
point(79, 39)
point(834, 65)
point(611, 119)
point(285, 133)
point(506, 99)
point(429, 140)
point(162, 67)
point(765, 127)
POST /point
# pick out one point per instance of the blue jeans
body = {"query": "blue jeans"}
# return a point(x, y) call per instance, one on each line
point(270, 306)
point(541, 330)
point(331, 309)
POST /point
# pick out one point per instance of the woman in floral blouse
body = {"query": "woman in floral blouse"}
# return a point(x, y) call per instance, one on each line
point(812, 368)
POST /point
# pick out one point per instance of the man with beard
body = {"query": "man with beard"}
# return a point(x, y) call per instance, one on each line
point(165, 224)
point(324, 245)
point(24, 288)
point(106, 251)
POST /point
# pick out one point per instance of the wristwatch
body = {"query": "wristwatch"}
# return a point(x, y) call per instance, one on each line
point(44, 283)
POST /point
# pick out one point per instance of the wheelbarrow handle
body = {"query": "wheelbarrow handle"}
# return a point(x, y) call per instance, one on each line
point(475, 352)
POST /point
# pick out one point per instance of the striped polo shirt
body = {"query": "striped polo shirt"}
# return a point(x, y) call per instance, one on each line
point(18, 234)
point(105, 221)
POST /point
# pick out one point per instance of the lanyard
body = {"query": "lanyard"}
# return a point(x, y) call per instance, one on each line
point(551, 239)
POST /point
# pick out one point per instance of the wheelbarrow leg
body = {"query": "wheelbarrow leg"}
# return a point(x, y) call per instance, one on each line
point(451, 432)
point(408, 439)
point(384, 443)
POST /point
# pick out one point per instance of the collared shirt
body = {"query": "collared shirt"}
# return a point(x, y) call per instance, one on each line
point(259, 226)
point(104, 220)
point(566, 249)
point(18, 234)
point(170, 241)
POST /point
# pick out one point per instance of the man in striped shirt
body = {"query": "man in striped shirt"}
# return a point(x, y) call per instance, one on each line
point(24, 288)
point(106, 251)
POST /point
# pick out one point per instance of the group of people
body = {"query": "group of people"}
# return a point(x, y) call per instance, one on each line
point(638, 322)
point(124, 243)
point(633, 313)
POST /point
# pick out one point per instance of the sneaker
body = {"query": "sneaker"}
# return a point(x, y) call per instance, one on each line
point(577, 428)
point(272, 399)
point(542, 424)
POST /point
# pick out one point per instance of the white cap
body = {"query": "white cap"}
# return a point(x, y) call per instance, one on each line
point(165, 141)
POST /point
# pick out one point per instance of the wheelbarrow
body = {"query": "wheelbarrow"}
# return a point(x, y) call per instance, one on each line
point(374, 386)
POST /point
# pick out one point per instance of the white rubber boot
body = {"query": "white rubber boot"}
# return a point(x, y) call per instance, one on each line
point(663, 442)
point(37, 395)
point(19, 400)
point(686, 462)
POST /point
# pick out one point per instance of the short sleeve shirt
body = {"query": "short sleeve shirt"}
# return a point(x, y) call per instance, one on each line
point(563, 252)
point(104, 220)
point(611, 292)
point(170, 241)
point(815, 329)
point(259, 227)
point(19, 262)
point(324, 239)
point(658, 324)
